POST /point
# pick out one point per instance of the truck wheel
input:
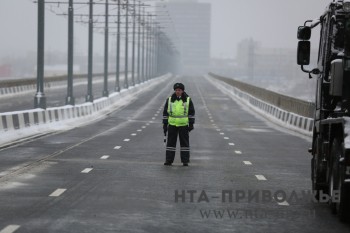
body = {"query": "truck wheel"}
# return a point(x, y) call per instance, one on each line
point(342, 204)
point(315, 179)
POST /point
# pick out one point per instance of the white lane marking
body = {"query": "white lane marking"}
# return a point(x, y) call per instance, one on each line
point(143, 127)
point(210, 117)
point(117, 147)
point(212, 121)
point(156, 115)
point(226, 138)
point(231, 144)
point(260, 177)
point(218, 130)
point(105, 157)
point(126, 140)
point(214, 124)
point(86, 170)
point(57, 192)
point(150, 122)
point(153, 118)
point(139, 130)
point(238, 152)
point(222, 133)
point(133, 134)
point(247, 163)
point(10, 229)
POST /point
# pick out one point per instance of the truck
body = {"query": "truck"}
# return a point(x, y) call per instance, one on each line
point(330, 149)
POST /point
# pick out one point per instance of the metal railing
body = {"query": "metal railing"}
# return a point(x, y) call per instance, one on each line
point(287, 103)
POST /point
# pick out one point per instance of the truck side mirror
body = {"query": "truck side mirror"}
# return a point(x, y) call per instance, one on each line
point(303, 56)
point(304, 33)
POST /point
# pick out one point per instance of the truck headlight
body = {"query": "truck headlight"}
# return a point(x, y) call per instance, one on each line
point(346, 6)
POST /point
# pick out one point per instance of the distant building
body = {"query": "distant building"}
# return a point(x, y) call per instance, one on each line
point(5, 70)
point(192, 29)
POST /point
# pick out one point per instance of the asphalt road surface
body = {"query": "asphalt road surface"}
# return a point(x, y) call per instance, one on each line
point(56, 96)
point(109, 176)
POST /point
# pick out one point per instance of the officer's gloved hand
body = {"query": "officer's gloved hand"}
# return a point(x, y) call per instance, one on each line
point(190, 127)
point(165, 128)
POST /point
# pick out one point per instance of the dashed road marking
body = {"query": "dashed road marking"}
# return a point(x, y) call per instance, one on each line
point(139, 130)
point(143, 127)
point(222, 133)
point(133, 134)
point(10, 229)
point(260, 177)
point(212, 121)
point(238, 152)
point(86, 170)
point(150, 122)
point(247, 163)
point(126, 140)
point(156, 115)
point(226, 138)
point(57, 192)
point(105, 157)
point(153, 118)
point(231, 144)
point(117, 147)
point(218, 130)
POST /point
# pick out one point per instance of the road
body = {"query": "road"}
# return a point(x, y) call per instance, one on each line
point(56, 96)
point(109, 176)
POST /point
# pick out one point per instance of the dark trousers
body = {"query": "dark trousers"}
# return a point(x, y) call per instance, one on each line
point(173, 132)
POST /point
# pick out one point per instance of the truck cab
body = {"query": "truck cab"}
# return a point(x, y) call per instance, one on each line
point(330, 163)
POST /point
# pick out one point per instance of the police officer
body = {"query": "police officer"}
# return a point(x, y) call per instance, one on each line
point(178, 120)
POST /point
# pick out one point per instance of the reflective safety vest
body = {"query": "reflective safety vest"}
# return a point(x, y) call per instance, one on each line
point(178, 112)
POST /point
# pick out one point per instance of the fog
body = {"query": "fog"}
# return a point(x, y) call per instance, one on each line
point(272, 22)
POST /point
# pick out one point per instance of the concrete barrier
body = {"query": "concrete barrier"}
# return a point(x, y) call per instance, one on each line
point(28, 123)
point(291, 120)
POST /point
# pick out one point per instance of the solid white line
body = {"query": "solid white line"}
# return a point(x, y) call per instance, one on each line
point(117, 147)
point(231, 144)
point(10, 229)
point(57, 193)
point(86, 170)
point(247, 163)
point(260, 177)
point(105, 157)
point(238, 152)
point(133, 134)
point(226, 138)
point(126, 140)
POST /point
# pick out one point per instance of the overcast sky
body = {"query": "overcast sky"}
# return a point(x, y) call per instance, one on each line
point(272, 22)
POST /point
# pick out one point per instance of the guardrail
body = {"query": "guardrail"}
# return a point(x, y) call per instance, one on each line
point(290, 104)
point(29, 123)
point(9, 87)
point(285, 111)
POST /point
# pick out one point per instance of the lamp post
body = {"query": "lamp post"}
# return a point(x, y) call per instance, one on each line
point(126, 84)
point(40, 99)
point(89, 96)
point(70, 97)
point(105, 81)
point(117, 81)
